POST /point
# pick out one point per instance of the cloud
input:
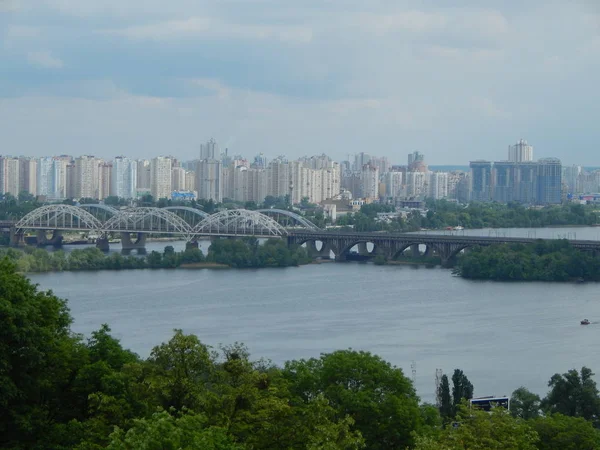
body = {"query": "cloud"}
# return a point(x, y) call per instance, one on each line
point(45, 60)
point(199, 27)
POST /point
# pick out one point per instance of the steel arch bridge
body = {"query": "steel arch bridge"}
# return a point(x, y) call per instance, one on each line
point(59, 217)
point(101, 212)
point(239, 222)
point(305, 223)
point(192, 216)
point(147, 220)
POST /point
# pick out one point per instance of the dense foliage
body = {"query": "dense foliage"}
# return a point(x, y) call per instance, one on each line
point(234, 253)
point(248, 252)
point(61, 391)
point(546, 260)
point(443, 214)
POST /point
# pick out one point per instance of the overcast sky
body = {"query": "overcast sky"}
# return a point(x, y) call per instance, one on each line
point(301, 77)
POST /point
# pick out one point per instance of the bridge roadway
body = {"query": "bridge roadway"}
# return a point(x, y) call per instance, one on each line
point(392, 245)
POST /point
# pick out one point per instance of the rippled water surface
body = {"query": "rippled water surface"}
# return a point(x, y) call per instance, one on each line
point(503, 335)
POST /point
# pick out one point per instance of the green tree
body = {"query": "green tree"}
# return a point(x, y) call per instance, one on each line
point(179, 370)
point(446, 404)
point(525, 404)
point(375, 394)
point(462, 389)
point(38, 358)
point(479, 430)
point(573, 394)
point(558, 432)
point(166, 432)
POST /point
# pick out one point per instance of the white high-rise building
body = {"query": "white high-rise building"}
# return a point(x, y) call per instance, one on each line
point(209, 182)
point(123, 182)
point(86, 177)
point(393, 184)
point(416, 184)
point(438, 185)
point(9, 176)
point(210, 150)
point(52, 177)
point(520, 152)
point(369, 177)
point(160, 177)
point(178, 178)
point(571, 176)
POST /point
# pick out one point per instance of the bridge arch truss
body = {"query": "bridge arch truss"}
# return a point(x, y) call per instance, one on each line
point(148, 220)
point(191, 216)
point(59, 217)
point(101, 212)
point(303, 221)
point(239, 222)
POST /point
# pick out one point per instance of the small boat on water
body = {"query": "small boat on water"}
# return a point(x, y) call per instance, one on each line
point(585, 322)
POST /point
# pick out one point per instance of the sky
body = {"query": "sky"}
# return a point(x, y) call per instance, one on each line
point(143, 78)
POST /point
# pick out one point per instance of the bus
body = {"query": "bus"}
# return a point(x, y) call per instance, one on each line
point(487, 403)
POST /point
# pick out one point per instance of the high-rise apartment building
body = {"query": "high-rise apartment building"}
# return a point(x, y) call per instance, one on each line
point(178, 178)
point(123, 180)
point(190, 181)
point(481, 181)
point(520, 152)
point(505, 181)
point(209, 182)
point(210, 150)
point(370, 181)
point(571, 176)
point(438, 185)
point(416, 162)
point(86, 177)
point(160, 177)
point(416, 185)
point(526, 182)
point(28, 175)
point(549, 181)
point(9, 176)
point(143, 174)
point(393, 184)
point(104, 179)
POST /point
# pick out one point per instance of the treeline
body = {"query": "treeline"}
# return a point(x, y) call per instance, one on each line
point(545, 260)
point(240, 253)
point(61, 391)
point(442, 214)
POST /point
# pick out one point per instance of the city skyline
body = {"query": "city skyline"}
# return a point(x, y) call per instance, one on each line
point(300, 78)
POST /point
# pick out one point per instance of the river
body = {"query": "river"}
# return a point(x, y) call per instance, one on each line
point(503, 335)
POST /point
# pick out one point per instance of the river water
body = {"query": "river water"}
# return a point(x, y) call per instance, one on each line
point(503, 335)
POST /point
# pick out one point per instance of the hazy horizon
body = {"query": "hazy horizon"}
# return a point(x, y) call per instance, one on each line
point(300, 78)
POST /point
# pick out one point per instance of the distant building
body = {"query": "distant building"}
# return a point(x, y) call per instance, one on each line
point(549, 181)
point(481, 181)
point(438, 185)
point(123, 182)
point(526, 182)
point(504, 181)
point(520, 152)
point(160, 177)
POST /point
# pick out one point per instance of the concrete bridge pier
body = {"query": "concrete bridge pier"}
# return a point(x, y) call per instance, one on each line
point(128, 244)
point(363, 250)
point(414, 249)
point(323, 253)
point(102, 243)
point(43, 240)
point(17, 238)
point(191, 245)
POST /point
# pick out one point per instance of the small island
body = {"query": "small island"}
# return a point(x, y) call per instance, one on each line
point(223, 253)
point(546, 260)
